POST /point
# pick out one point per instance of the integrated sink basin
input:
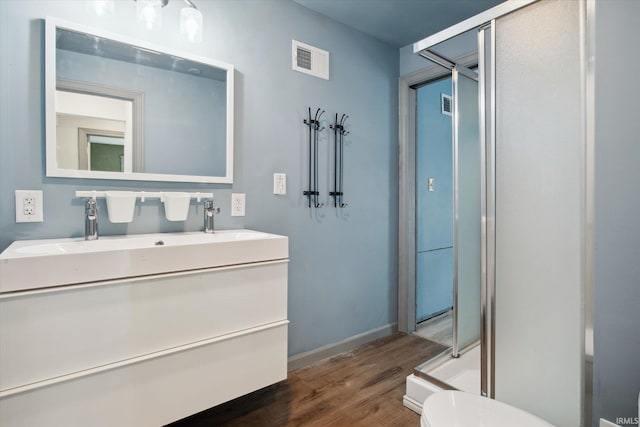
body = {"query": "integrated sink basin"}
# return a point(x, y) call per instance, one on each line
point(33, 264)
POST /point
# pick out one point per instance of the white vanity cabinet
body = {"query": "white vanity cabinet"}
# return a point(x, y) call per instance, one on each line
point(146, 350)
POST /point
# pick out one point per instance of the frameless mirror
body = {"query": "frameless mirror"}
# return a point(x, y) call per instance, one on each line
point(118, 108)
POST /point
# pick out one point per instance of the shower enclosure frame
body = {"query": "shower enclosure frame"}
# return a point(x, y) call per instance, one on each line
point(483, 23)
point(456, 71)
point(456, 67)
point(407, 184)
point(406, 291)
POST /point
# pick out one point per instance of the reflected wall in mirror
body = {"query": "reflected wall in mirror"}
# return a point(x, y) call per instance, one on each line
point(123, 109)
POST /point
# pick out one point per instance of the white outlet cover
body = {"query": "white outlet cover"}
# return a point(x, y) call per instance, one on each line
point(29, 207)
point(237, 204)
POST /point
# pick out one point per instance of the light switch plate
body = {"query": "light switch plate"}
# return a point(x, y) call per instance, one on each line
point(279, 184)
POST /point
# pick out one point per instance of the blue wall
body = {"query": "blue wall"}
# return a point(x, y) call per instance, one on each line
point(343, 270)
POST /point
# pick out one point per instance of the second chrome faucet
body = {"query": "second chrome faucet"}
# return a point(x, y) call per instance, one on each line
point(209, 211)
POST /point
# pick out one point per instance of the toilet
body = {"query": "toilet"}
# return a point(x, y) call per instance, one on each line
point(459, 409)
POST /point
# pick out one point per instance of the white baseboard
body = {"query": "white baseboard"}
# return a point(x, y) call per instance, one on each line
point(307, 358)
point(605, 423)
point(414, 405)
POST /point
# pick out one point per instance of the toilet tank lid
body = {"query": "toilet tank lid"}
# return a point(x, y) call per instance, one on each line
point(459, 409)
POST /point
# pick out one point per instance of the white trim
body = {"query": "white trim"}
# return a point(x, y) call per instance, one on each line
point(471, 23)
point(137, 176)
point(417, 391)
point(412, 404)
point(307, 358)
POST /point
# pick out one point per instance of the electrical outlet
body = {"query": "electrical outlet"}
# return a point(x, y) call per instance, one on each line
point(29, 206)
point(279, 184)
point(237, 204)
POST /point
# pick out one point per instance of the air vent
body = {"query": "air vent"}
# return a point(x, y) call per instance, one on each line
point(446, 104)
point(310, 60)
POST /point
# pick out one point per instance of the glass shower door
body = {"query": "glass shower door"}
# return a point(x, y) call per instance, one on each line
point(467, 210)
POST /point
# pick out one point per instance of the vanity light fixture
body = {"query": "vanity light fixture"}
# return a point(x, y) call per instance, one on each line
point(191, 22)
point(102, 7)
point(149, 13)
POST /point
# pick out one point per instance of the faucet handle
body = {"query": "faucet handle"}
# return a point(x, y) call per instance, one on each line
point(208, 206)
point(91, 207)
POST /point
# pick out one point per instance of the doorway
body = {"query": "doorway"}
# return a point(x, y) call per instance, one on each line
point(434, 210)
point(448, 208)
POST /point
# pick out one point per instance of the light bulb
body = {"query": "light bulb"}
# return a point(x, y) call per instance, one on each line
point(191, 24)
point(150, 13)
point(101, 7)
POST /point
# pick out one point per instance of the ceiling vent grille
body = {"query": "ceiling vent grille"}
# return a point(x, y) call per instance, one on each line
point(446, 104)
point(310, 60)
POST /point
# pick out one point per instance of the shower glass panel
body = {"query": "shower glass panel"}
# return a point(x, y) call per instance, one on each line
point(467, 209)
point(434, 200)
point(539, 210)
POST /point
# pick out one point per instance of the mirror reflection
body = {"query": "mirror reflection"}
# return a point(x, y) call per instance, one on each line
point(124, 111)
point(91, 130)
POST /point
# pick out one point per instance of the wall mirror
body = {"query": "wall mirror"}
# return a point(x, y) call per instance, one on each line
point(118, 108)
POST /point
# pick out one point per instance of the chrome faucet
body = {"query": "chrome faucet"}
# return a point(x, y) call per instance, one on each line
point(209, 210)
point(91, 220)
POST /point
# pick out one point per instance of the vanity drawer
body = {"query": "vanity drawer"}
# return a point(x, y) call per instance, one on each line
point(65, 330)
point(158, 390)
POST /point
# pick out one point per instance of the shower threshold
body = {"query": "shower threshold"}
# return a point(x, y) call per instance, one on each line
point(443, 373)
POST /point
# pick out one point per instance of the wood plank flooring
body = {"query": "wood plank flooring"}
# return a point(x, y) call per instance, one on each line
point(363, 387)
point(438, 329)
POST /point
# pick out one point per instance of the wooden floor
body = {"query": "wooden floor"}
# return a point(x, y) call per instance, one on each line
point(363, 387)
point(438, 329)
